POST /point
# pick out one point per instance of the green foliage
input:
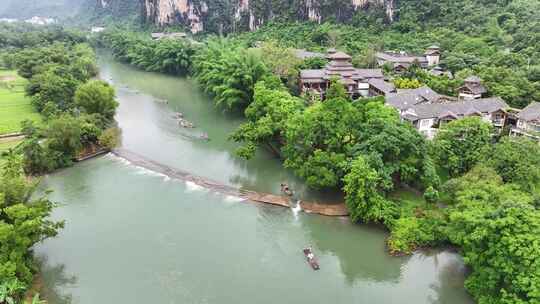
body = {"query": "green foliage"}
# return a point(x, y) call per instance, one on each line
point(459, 144)
point(312, 63)
point(407, 83)
point(96, 97)
point(319, 140)
point(228, 73)
point(23, 223)
point(363, 195)
point(172, 56)
point(431, 194)
point(516, 160)
point(267, 116)
point(281, 61)
point(498, 231)
point(110, 138)
point(336, 90)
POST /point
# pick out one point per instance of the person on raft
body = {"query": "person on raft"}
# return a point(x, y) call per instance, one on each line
point(310, 254)
point(285, 189)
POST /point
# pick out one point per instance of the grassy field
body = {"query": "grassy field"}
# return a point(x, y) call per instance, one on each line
point(14, 106)
point(6, 144)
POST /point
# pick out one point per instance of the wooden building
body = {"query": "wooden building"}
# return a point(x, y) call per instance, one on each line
point(356, 81)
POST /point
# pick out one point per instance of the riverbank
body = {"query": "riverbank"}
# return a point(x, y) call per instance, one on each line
point(336, 209)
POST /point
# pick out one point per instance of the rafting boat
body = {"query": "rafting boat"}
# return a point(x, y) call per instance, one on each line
point(310, 257)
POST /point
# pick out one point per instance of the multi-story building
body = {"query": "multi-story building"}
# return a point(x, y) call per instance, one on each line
point(428, 111)
point(358, 82)
point(401, 61)
point(472, 88)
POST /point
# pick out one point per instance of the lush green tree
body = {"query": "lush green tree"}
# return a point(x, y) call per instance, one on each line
point(267, 115)
point(498, 231)
point(228, 73)
point(96, 97)
point(52, 86)
point(110, 138)
point(64, 136)
point(516, 160)
point(319, 140)
point(24, 222)
point(459, 145)
point(280, 60)
point(363, 195)
point(407, 83)
point(395, 149)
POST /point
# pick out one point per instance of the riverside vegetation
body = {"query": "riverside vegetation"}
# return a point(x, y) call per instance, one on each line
point(475, 196)
point(77, 112)
point(479, 192)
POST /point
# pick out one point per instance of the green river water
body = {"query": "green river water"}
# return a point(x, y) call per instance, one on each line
point(134, 236)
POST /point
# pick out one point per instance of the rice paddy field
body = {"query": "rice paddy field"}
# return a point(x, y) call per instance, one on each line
point(14, 105)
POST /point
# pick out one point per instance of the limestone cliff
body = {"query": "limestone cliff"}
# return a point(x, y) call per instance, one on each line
point(231, 15)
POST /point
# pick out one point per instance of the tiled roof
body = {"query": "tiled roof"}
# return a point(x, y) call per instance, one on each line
point(312, 74)
point(381, 85)
point(475, 88)
point(338, 55)
point(303, 54)
point(405, 99)
point(369, 73)
point(530, 112)
point(460, 108)
point(400, 58)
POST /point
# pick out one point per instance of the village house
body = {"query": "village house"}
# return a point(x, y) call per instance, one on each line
point(401, 61)
point(358, 82)
point(472, 88)
point(438, 71)
point(404, 99)
point(303, 54)
point(37, 20)
point(97, 29)
point(528, 122)
point(177, 35)
point(427, 116)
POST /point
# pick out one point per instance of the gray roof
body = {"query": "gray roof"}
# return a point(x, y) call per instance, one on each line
point(399, 58)
point(312, 74)
point(405, 99)
point(369, 73)
point(381, 85)
point(303, 54)
point(338, 55)
point(475, 88)
point(168, 35)
point(530, 112)
point(459, 109)
point(329, 72)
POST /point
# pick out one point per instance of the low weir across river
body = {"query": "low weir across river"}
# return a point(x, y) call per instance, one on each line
point(338, 209)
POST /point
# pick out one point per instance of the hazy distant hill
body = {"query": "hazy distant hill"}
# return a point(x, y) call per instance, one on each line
point(48, 8)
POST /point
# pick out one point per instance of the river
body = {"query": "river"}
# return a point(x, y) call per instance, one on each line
point(134, 236)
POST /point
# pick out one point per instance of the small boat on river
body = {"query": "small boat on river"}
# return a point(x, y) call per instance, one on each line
point(311, 259)
point(178, 115)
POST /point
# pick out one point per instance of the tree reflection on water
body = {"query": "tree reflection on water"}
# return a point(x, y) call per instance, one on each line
point(54, 280)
